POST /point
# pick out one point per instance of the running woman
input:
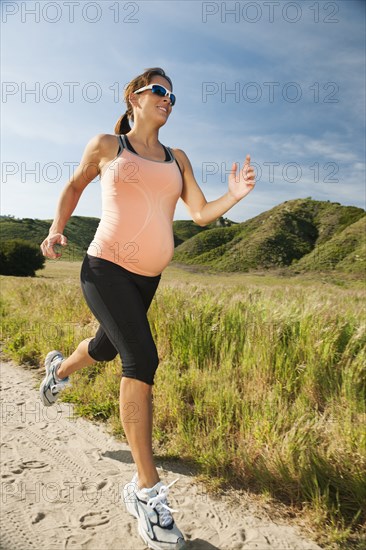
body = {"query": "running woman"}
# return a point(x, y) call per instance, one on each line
point(141, 182)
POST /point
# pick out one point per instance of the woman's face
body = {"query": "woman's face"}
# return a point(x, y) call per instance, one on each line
point(150, 105)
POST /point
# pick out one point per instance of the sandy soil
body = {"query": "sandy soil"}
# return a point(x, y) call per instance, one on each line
point(62, 477)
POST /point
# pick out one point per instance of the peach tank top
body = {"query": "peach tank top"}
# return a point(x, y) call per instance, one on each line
point(139, 197)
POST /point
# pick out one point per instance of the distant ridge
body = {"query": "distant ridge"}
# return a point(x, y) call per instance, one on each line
point(299, 235)
point(79, 231)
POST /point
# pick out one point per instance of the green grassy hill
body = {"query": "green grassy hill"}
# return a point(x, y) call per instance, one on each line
point(299, 235)
point(185, 229)
point(25, 228)
point(344, 251)
point(80, 231)
point(282, 237)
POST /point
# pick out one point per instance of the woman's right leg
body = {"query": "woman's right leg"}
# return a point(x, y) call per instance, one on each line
point(77, 360)
point(90, 350)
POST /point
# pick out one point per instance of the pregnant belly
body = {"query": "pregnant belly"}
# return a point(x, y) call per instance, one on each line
point(147, 252)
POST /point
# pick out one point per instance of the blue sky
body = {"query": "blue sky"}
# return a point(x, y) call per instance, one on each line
point(297, 103)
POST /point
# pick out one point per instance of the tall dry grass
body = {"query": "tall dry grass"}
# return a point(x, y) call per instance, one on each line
point(261, 381)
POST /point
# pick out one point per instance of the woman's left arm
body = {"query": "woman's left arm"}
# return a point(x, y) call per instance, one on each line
point(204, 212)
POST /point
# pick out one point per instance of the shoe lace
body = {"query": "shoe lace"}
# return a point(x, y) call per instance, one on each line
point(161, 504)
point(59, 384)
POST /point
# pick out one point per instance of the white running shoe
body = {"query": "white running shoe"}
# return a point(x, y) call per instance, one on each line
point(129, 496)
point(51, 384)
point(156, 525)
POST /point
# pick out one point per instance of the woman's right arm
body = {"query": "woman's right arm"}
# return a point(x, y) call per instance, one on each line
point(87, 170)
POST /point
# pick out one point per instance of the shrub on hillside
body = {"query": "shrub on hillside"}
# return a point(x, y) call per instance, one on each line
point(20, 257)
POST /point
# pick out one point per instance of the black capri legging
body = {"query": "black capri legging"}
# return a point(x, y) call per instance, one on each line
point(120, 299)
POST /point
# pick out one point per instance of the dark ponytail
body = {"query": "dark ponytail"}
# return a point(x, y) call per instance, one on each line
point(122, 125)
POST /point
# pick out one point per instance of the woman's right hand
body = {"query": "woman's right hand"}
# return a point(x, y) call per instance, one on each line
point(97, 148)
point(49, 242)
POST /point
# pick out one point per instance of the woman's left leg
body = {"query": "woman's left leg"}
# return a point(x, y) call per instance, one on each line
point(137, 416)
point(120, 301)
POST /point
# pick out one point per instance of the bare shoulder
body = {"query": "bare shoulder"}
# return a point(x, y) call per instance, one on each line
point(179, 153)
point(106, 142)
point(182, 158)
point(100, 149)
point(105, 146)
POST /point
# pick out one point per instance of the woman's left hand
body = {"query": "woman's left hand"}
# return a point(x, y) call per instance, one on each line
point(241, 185)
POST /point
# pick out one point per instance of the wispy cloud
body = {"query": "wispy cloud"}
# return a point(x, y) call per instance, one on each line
point(195, 50)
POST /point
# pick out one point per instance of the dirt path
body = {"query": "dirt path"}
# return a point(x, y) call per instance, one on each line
point(62, 478)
